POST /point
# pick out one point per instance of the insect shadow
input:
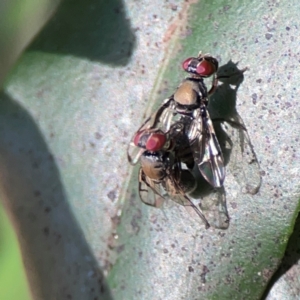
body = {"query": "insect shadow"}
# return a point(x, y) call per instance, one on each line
point(238, 153)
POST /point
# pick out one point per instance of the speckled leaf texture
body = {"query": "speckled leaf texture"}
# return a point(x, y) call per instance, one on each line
point(72, 104)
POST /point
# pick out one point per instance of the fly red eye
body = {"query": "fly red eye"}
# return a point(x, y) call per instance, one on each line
point(205, 68)
point(156, 141)
point(137, 138)
point(186, 63)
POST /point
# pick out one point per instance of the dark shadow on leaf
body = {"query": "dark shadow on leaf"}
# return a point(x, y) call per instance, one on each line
point(95, 29)
point(291, 258)
point(58, 260)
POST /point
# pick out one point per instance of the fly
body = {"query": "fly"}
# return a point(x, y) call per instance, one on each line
point(161, 175)
point(188, 106)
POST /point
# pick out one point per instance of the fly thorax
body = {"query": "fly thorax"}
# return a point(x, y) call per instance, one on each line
point(153, 165)
point(187, 94)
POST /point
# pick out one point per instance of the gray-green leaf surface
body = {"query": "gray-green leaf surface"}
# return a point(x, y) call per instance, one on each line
point(71, 106)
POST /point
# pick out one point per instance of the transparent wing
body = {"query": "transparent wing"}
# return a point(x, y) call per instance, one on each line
point(160, 119)
point(190, 207)
point(215, 208)
point(177, 189)
point(165, 115)
point(212, 201)
point(206, 149)
point(239, 152)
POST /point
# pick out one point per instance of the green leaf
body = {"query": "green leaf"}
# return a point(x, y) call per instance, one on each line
point(68, 111)
point(170, 256)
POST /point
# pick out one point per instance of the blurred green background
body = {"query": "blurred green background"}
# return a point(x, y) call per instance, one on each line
point(13, 284)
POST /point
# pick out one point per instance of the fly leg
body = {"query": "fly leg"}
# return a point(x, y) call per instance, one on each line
point(214, 85)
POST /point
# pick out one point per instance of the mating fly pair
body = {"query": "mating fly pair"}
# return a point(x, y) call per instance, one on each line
point(177, 136)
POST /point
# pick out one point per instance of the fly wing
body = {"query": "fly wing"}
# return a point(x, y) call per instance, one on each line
point(160, 119)
point(215, 208)
point(206, 149)
point(177, 186)
point(212, 164)
point(237, 145)
point(150, 191)
point(212, 201)
point(190, 207)
point(165, 115)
